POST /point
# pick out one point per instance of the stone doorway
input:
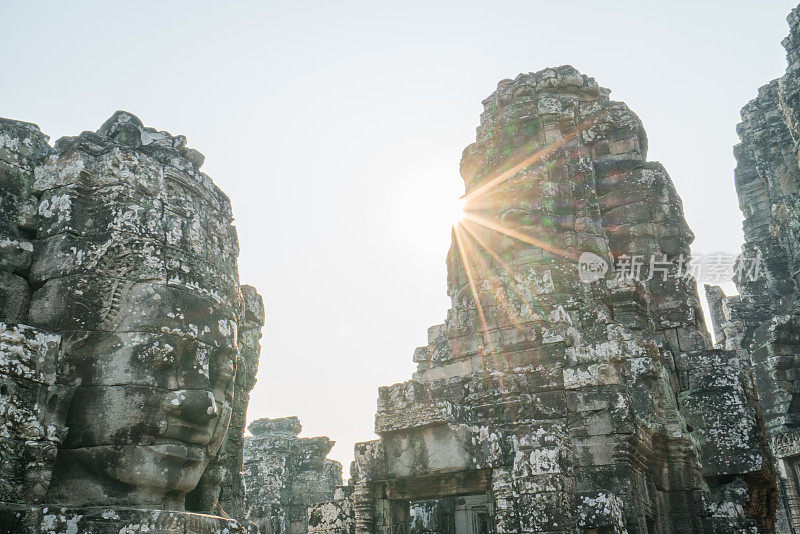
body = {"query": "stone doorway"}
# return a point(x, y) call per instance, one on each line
point(464, 514)
point(471, 515)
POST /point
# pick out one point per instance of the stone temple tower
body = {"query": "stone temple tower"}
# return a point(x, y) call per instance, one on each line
point(762, 322)
point(572, 387)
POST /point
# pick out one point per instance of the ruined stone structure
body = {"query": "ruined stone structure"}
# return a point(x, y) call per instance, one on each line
point(572, 388)
point(559, 400)
point(335, 516)
point(123, 324)
point(285, 475)
point(762, 323)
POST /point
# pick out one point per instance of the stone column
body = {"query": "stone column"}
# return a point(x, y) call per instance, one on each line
point(364, 509)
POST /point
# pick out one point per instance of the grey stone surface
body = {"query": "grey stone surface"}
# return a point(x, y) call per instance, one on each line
point(333, 516)
point(286, 475)
point(31, 424)
point(221, 490)
point(49, 519)
point(762, 323)
point(123, 327)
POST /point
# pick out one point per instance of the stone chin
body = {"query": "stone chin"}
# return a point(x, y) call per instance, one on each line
point(157, 472)
point(157, 475)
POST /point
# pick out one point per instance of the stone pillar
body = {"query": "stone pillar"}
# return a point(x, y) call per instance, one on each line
point(399, 517)
point(506, 502)
point(364, 509)
point(286, 475)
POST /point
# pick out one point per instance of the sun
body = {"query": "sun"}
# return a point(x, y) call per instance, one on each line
point(425, 208)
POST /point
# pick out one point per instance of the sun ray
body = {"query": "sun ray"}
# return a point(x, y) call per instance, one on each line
point(473, 288)
point(485, 266)
point(492, 354)
point(467, 215)
point(538, 313)
point(510, 232)
point(535, 158)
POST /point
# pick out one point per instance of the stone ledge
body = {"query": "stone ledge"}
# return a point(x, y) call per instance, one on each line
point(47, 519)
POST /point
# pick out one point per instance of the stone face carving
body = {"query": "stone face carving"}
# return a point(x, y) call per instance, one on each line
point(286, 476)
point(546, 403)
point(124, 322)
point(221, 489)
point(136, 262)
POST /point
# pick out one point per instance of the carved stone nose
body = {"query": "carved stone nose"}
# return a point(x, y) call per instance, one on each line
point(192, 405)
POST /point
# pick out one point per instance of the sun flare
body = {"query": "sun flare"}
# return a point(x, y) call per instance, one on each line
point(458, 210)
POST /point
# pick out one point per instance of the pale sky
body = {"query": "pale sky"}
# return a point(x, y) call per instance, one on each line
point(336, 129)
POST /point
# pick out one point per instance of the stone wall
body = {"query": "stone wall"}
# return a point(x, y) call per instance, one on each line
point(285, 475)
point(335, 516)
point(31, 427)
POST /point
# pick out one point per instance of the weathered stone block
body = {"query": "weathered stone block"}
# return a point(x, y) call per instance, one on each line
point(546, 512)
point(286, 476)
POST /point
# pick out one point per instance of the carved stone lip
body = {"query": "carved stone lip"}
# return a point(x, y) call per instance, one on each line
point(179, 450)
point(183, 432)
